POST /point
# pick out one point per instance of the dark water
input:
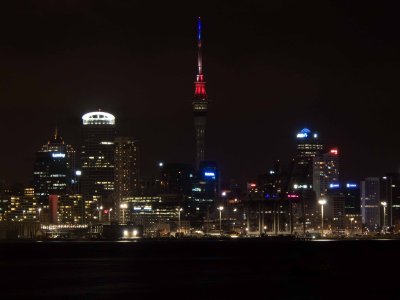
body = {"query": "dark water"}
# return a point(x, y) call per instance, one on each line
point(237, 269)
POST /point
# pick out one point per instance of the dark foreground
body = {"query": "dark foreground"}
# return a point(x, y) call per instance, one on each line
point(190, 269)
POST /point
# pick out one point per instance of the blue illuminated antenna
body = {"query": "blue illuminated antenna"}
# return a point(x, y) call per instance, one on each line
point(199, 31)
point(199, 58)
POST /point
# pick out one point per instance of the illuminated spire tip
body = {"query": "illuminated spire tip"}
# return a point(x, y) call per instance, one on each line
point(200, 85)
point(199, 31)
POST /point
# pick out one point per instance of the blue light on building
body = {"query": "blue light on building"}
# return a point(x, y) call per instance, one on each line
point(305, 132)
point(351, 185)
point(209, 174)
point(334, 185)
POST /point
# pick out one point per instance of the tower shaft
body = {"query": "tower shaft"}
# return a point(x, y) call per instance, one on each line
point(200, 102)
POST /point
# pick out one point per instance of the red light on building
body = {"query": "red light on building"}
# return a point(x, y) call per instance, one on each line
point(253, 184)
point(53, 208)
point(200, 87)
point(334, 151)
point(293, 196)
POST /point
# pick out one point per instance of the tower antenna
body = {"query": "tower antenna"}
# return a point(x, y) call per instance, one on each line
point(200, 100)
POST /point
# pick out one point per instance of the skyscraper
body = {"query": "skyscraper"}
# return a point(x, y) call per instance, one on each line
point(390, 193)
point(302, 176)
point(205, 190)
point(308, 147)
point(53, 169)
point(200, 102)
point(98, 159)
point(126, 171)
point(352, 199)
point(336, 207)
point(326, 171)
point(370, 202)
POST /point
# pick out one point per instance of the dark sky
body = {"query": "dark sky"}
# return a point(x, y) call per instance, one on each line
point(272, 68)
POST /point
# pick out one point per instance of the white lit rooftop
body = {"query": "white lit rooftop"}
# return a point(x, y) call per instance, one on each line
point(98, 118)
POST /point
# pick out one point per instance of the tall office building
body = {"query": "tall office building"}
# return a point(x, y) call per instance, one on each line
point(53, 169)
point(200, 102)
point(209, 178)
point(308, 147)
point(301, 174)
point(336, 207)
point(390, 193)
point(352, 199)
point(395, 200)
point(325, 171)
point(370, 202)
point(126, 171)
point(98, 159)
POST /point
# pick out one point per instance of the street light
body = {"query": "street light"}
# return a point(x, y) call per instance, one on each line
point(220, 208)
point(179, 209)
point(123, 206)
point(100, 209)
point(78, 173)
point(351, 226)
point(39, 210)
point(384, 204)
point(322, 202)
point(109, 215)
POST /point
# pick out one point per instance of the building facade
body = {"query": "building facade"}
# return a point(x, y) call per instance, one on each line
point(308, 147)
point(390, 193)
point(53, 169)
point(352, 199)
point(370, 202)
point(98, 160)
point(326, 170)
point(126, 171)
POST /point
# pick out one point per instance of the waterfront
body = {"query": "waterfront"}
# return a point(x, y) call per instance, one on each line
point(199, 269)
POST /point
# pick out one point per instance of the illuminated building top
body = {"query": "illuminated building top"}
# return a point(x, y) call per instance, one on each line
point(306, 133)
point(200, 85)
point(308, 145)
point(98, 118)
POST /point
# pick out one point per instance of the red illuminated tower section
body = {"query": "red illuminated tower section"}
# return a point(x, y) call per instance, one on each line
point(200, 102)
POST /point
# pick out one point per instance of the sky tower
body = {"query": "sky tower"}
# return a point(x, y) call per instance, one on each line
point(200, 101)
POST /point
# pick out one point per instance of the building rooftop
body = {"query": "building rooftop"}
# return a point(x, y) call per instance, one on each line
point(98, 118)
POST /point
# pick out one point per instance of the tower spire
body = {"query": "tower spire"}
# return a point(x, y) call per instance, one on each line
point(200, 101)
point(199, 58)
point(200, 85)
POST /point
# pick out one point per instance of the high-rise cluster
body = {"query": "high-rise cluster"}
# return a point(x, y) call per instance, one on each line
point(97, 190)
point(309, 196)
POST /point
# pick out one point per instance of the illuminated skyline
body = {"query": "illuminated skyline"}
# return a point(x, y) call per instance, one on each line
point(272, 69)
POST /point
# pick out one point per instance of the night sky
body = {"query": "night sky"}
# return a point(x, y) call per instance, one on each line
point(272, 68)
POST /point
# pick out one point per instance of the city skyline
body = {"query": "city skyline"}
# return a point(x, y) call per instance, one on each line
point(199, 149)
point(267, 79)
